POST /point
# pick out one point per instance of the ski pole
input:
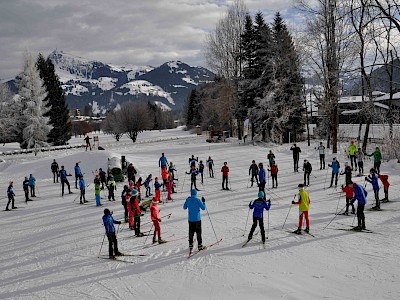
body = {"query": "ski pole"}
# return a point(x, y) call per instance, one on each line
point(211, 223)
point(166, 216)
point(288, 212)
point(334, 217)
point(352, 224)
point(183, 184)
point(268, 225)
point(102, 244)
point(244, 232)
point(248, 180)
point(326, 176)
point(337, 206)
point(148, 233)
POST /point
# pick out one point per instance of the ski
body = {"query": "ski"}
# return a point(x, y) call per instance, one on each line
point(193, 253)
point(244, 245)
point(124, 254)
point(352, 230)
point(301, 233)
point(117, 259)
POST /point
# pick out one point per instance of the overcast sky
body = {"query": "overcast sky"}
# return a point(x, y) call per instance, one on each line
point(140, 32)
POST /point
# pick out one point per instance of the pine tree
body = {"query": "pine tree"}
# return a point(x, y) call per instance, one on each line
point(33, 107)
point(58, 110)
point(193, 116)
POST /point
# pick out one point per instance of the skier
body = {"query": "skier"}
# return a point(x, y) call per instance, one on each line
point(139, 186)
point(225, 173)
point(97, 190)
point(63, 178)
point(360, 162)
point(270, 157)
point(108, 222)
point(210, 164)
point(296, 156)
point(32, 183)
point(373, 179)
point(171, 170)
point(54, 170)
point(349, 190)
point(201, 170)
point(124, 202)
point(82, 187)
point(131, 171)
point(194, 204)
point(274, 174)
point(377, 159)
point(262, 178)
point(112, 186)
point(360, 194)
point(352, 150)
point(156, 222)
point(87, 140)
point(335, 165)
point(170, 185)
point(193, 173)
point(147, 185)
point(135, 213)
point(304, 206)
point(78, 174)
point(259, 205)
point(97, 179)
point(10, 194)
point(103, 178)
point(307, 168)
point(164, 176)
point(385, 182)
point(192, 161)
point(157, 187)
point(347, 172)
point(162, 162)
point(25, 186)
point(321, 150)
point(253, 171)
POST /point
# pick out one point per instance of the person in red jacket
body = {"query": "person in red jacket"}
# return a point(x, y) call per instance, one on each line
point(274, 174)
point(225, 173)
point(138, 186)
point(385, 182)
point(156, 221)
point(135, 213)
point(349, 190)
point(170, 185)
point(164, 176)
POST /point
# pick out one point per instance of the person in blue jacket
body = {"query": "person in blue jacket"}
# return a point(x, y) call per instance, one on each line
point(373, 179)
point(78, 174)
point(163, 162)
point(108, 222)
point(262, 178)
point(360, 194)
point(259, 205)
point(10, 194)
point(32, 183)
point(194, 204)
point(82, 188)
point(63, 177)
point(335, 165)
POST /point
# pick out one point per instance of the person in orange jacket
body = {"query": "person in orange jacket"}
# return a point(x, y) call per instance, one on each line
point(349, 190)
point(385, 182)
point(225, 173)
point(164, 176)
point(154, 211)
point(135, 213)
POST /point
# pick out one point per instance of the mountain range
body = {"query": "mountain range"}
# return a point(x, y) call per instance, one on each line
point(105, 86)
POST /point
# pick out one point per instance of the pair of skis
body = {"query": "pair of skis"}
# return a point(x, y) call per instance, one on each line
point(245, 244)
point(193, 253)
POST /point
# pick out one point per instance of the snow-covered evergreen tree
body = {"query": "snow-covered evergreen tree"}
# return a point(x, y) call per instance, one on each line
point(33, 107)
point(7, 114)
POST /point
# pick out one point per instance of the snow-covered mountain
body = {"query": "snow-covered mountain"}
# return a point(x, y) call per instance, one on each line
point(105, 86)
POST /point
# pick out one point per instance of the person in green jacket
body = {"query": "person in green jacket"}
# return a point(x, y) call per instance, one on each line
point(377, 159)
point(97, 189)
point(352, 150)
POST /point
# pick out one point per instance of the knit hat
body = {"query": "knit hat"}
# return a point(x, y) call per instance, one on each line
point(106, 211)
point(155, 201)
point(135, 193)
point(193, 192)
point(260, 194)
point(300, 186)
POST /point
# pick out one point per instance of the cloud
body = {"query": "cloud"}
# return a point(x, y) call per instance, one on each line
point(119, 31)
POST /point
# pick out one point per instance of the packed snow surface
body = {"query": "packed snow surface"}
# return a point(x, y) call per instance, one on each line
point(50, 246)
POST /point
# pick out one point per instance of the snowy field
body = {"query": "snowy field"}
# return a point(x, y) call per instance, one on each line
point(50, 247)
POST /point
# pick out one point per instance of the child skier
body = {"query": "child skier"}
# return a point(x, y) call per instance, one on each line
point(307, 168)
point(112, 186)
point(270, 157)
point(147, 185)
point(347, 172)
point(377, 159)
point(10, 194)
point(194, 204)
point(349, 190)
point(352, 150)
point(170, 184)
point(103, 178)
point(164, 176)
point(360, 194)
point(262, 178)
point(259, 205)
point(32, 183)
point(201, 170)
point(124, 202)
point(25, 186)
point(210, 164)
point(304, 206)
point(156, 222)
point(192, 161)
point(97, 189)
point(335, 165)
point(171, 170)
point(78, 173)
point(321, 151)
point(253, 171)
point(108, 222)
point(157, 187)
point(138, 187)
point(385, 182)
point(225, 173)
point(82, 188)
point(373, 179)
point(63, 177)
point(193, 173)
point(274, 174)
point(360, 162)
point(135, 213)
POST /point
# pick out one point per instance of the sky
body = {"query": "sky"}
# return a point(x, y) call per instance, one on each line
point(118, 32)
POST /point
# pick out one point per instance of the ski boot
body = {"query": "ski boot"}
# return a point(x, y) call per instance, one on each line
point(357, 228)
point(307, 230)
point(161, 241)
point(154, 240)
point(297, 231)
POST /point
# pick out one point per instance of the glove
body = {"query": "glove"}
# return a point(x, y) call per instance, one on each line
point(293, 202)
point(249, 203)
point(366, 177)
point(269, 201)
point(342, 185)
point(159, 220)
point(202, 199)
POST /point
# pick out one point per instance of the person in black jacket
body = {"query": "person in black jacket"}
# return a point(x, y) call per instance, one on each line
point(10, 194)
point(103, 178)
point(54, 169)
point(25, 185)
point(296, 156)
point(307, 168)
point(347, 172)
point(253, 171)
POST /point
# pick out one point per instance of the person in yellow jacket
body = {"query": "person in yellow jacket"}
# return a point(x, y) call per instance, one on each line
point(304, 206)
point(352, 150)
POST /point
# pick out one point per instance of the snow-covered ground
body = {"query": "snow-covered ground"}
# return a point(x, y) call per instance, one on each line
point(50, 246)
